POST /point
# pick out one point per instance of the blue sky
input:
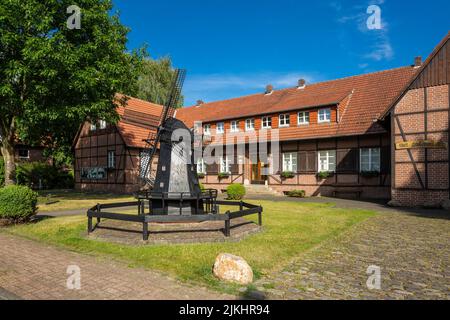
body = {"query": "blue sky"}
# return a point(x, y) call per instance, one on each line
point(235, 47)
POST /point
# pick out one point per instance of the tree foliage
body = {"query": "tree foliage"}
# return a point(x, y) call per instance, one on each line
point(53, 78)
point(155, 79)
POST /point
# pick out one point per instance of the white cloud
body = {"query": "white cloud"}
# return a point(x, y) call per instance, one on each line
point(381, 47)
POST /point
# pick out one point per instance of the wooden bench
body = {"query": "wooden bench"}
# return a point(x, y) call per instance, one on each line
point(341, 190)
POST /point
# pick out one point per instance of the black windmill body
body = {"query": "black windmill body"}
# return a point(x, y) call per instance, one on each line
point(174, 188)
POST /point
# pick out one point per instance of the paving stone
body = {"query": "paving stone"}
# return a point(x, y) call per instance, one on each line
point(412, 251)
point(31, 270)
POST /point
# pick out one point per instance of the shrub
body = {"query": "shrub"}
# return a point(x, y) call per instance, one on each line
point(223, 175)
point(235, 191)
point(17, 203)
point(325, 174)
point(287, 175)
point(202, 187)
point(37, 174)
point(2, 172)
point(296, 193)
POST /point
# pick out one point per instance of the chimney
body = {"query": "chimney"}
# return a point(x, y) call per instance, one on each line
point(199, 103)
point(301, 84)
point(269, 89)
point(418, 61)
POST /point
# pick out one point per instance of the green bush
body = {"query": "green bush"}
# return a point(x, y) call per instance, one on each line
point(2, 172)
point(325, 174)
point(296, 193)
point(202, 187)
point(287, 174)
point(235, 191)
point(17, 203)
point(34, 174)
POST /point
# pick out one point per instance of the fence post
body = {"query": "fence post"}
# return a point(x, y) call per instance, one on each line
point(260, 216)
point(227, 224)
point(145, 231)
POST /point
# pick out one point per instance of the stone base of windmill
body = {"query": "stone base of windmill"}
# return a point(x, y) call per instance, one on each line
point(231, 268)
point(130, 233)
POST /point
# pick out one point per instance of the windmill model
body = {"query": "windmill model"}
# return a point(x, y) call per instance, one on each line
point(173, 193)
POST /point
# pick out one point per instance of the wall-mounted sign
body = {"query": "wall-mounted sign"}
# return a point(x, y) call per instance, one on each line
point(421, 144)
point(93, 173)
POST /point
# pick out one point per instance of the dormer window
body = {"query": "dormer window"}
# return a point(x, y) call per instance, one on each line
point(266, 122)
point(324, 115)
point(207, 129)
point(250, 125)
point(303, 118)
point(234, 126)
point(284, 120)
point(220, 128)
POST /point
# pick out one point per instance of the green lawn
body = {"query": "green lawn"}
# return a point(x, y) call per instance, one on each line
point(290, 228)
point(61, 200)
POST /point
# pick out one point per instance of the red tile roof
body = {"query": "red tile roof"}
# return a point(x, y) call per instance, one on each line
point(138, 119)
point(361, 100)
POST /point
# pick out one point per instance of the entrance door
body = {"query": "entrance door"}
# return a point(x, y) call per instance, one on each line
point(258, 176)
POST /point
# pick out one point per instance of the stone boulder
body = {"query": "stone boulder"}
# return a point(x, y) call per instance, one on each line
point(228, 267)
point(394, 204)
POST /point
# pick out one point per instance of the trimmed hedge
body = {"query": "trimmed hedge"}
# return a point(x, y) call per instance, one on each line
point(296, 193)
point(2, 172)
point(235, 191)
point(17, 203)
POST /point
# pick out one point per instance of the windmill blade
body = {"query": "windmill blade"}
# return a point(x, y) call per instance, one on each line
point(167, 112)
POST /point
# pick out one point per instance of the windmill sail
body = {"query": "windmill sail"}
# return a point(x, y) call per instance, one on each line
point(148, 154)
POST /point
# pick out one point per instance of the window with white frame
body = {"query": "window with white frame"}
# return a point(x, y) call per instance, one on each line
point(290, 162)
point(327, 161)
point(220, 128)
point(234, 126)
point(324, 115)
point(250, 125)
point(93, 127)
point(303, 118)
point(102, 124)
point(201, 166)
point(370, 160)
point(225, 166)
point(266, 122)
point(24, 154)
point(207, 129)
point(284, 120)
point(111, 159)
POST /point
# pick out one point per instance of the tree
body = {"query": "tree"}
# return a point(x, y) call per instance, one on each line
point(52, 76)
point(155, 79)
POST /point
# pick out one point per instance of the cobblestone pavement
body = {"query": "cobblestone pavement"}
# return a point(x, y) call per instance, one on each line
point(411, 250)
point(32, 270)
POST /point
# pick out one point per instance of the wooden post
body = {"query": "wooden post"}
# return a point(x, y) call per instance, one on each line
point(227, 224)
point(89, 224)
point(145, 231)
point(99, 209)
point(260, 218)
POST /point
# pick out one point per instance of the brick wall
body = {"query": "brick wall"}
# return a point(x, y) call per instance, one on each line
point(423, 114)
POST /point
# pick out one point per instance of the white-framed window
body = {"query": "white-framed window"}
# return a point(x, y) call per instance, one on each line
point(201, 166)
point(225, 165)
point(207, 129)
point(234, 126)
point(220, 128)
point(266, 122)
point(284, 120)
point(303, 118)
point(370, 160)
point(327, 161)
point(250, 125)
point(102, 124)
point(93, 127)
point(290, 162)
point(111, 159)
point(324, 115)
point(24, 153)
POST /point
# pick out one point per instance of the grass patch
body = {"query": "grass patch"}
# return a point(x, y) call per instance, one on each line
point(62, 200)
point(290, 228)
